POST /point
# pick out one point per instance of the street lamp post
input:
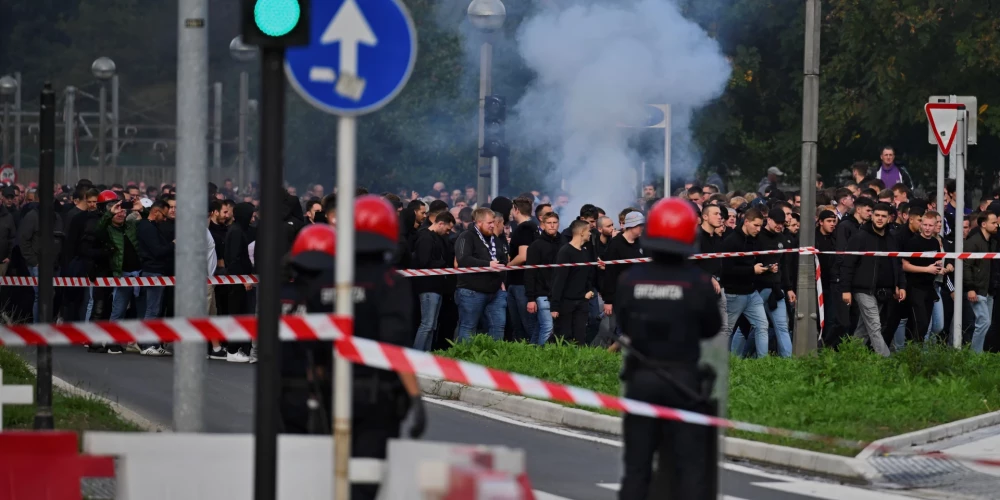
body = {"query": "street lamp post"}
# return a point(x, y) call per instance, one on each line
point(103, 69)
point(8, 87)
point(488, 17)
point(242, 53)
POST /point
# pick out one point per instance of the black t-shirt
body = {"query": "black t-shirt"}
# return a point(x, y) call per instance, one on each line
point(130, 259)
point(521, 236)
point(918, 243)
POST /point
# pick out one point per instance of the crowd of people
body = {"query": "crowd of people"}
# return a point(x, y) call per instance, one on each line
point(128, 231)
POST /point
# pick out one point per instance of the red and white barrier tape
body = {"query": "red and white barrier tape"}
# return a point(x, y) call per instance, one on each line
point(819, 297)
point(229, 279)
point(327, 327)
point(252, 279)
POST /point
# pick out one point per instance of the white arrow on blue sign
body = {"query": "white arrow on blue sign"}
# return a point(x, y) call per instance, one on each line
point(359, 58)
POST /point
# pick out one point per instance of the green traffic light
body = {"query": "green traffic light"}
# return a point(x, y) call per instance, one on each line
point(276, 17)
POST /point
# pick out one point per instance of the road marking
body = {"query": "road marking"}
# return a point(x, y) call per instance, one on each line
point(829, 491)
point(541, 495)
point(507, 420)
point(610, 486)
point(742, 469)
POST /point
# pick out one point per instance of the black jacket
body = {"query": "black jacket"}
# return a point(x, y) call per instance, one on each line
point(710, 243)
point(238, 239)
point(571, 283)
point(155, 251)
point(30, 238)
point(8, 232)
point(471, 251)
point(846, 228)
point(865, 274)
point(538, 282)
point(828, 269)
point(767, 240)
point(618, 249)
point(218, 232)
point(976, 272)
point(737, 272)
point(430, 253)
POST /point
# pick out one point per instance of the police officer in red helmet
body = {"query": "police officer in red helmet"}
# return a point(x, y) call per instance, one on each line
point(665, 309)
point(382, 311)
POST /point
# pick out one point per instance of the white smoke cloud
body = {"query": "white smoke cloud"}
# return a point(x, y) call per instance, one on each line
point(599, 63)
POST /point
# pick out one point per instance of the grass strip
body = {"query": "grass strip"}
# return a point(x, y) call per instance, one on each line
point(76, 413)
point(852, 393)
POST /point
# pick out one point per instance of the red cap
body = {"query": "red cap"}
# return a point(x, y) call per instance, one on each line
point(672, 227)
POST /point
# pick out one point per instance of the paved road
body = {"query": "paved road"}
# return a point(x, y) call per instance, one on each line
point(560, 465)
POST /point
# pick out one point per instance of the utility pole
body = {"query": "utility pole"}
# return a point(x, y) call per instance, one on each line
point(69, 131)
point(190, 292)
point(217, 125)
point(805, 307)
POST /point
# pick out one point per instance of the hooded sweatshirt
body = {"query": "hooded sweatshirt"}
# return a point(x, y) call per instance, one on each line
point(238, 239)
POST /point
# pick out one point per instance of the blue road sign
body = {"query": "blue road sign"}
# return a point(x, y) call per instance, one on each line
point(359, 57)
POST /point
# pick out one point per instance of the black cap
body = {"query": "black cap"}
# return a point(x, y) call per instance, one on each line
point(9, 192)
point(826, 214)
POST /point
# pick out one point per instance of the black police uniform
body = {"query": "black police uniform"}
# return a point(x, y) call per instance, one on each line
point(667, 308)
point(382, 312)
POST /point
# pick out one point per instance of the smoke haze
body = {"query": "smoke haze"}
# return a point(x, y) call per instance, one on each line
point(597, 64)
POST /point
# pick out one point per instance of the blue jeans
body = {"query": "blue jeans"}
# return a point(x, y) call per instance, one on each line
point(123, 294)
point(154, 298)
point(899, 337)
point(474, 305)
point(430, 306)
point(982, 308)
point(778, 324)
point(517, 304)
point(751, 306)
point(33, 271)
point(544, 318)
point(936, 325)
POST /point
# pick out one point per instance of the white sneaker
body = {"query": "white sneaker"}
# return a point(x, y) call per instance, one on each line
point(153, 351)
point(238, 357)
point(253, 355)
point(132, 347)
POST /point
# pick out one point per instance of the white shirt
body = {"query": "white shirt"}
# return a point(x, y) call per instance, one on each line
point(213, 259)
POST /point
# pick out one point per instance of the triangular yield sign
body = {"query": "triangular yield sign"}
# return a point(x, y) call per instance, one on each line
point(944, 123)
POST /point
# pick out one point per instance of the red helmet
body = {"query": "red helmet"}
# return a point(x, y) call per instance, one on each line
point(672, 227)
point(314, 247)
point(376, 223)
point(106, 196)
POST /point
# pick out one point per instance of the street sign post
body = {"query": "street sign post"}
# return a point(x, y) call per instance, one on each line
point(657, 116)
point(359, 58)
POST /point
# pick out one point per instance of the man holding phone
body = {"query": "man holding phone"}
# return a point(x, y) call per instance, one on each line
point(920, 275)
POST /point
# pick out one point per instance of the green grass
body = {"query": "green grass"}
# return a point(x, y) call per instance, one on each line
point(74, 413)
point(852, 393)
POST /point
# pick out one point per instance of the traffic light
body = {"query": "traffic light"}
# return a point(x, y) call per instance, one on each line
point(494, 137)
point(276, 23)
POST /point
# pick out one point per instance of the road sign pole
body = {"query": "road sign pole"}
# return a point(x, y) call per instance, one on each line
point(960, 145)
point(485, 89)
point(69, 131)
point(666, 150)
point(344, 268)
point(18, 105)
point(940, 183)
point(269, 249)
point(46, 264)
point(494, 177)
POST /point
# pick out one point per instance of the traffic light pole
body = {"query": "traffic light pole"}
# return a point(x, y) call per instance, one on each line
point(494, 177)
point(485, 88)
point(269, 250)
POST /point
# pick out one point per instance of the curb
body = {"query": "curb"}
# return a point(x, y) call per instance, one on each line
point(123, 412)
point(835, 466)
point(929, 435)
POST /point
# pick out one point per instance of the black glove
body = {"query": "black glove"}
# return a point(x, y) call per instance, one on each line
point(418, 416)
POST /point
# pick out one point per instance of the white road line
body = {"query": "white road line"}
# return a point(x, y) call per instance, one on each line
point(507, 420)
point(742, 469)
point(829, 491)
point(610, 486)
point(541, 495)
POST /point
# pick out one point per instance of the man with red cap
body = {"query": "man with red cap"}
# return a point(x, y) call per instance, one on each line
point(665, 309)
point(382, 311)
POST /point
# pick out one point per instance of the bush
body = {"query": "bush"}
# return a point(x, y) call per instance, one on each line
point(851, 393)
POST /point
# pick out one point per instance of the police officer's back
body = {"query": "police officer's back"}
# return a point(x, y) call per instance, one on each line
point(666, 308)
point(382, 312)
